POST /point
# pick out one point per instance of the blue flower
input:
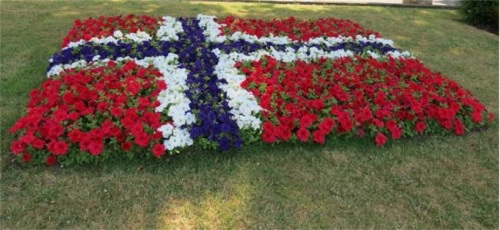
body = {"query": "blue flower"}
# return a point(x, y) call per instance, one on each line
point(224, 144)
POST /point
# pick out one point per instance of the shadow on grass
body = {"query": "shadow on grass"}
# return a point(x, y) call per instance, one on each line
point(284, 185)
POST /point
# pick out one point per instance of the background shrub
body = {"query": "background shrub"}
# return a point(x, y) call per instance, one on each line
point(482, 13)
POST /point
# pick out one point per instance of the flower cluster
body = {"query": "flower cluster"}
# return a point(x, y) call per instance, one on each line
point(142, 86)
point(357, 96)
point(101, 27)
point(100, 110)
point(215, 127)
point(302, 30)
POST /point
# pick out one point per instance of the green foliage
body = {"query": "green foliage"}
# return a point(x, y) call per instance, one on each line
point(482, 13)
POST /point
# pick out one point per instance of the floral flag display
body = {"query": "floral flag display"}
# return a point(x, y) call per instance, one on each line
point(142, 86)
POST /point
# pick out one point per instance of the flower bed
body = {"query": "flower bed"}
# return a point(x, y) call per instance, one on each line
point(141, 86)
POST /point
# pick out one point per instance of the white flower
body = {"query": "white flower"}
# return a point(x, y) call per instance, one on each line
point(373, 54)
point(117, 34)
point(211, 29)
point(138, 37)
point(166, 130)
point(96, 58)
point(397, 54)
point(169, 29)
point(241, 101)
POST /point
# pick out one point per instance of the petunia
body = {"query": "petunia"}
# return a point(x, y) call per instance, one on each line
point(58, 147)
point(303, 134)
point(127, 145)
point(51, 160)
point(17, 147)
point(319, 136)
point(459, 127)
point(96, 147)
point(75, 135)
point(26, 157)
point(158, 150)
point(420, 127)
point(380, 139)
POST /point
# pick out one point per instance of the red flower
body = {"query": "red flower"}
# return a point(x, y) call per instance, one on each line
point(55, 131)
point(28, 138)
point(158, 150)
point(303, 134)
point(340, 94)
point(396, 133)
point(391, 125)
point(128, 122)
point(85, 141)
point(103, 106)
point(119, 135)
point(157, 135)
point(60, 115)
point(268, 137)
point(132, 114)
point(21, 123)
point(380, 139)
point(142, 140)
point(380, 98)
point(162, 85)
point(307, 120)
point(79, 106)
point(420, 127)
point(127, 145)
point(17, 147)
point(365, 114)
point(318, 104)
point(378, 123)
point(26, 157)
point(51, 160)
point(284, 133)
point(75, 136)
point(327, 125)
point(111, 64)
point(459, 127)
point(319, 137)
point(153, 119)
point(447, 124)
point(346, 123)
point(117, 111)
point(107, 127)
point(491, 117)
point(268, 134)
point(477, 117)
point(382, 113)
point(96, 147)
point(73, 116)
point(58, 147)
point(144, 102)
point(137, 129)
point(38, 143)
point(133, 87)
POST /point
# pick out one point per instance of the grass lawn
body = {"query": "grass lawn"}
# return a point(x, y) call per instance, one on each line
point(433, 182)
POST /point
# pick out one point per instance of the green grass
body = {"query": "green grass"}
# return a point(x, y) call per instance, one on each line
point(434, 182)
